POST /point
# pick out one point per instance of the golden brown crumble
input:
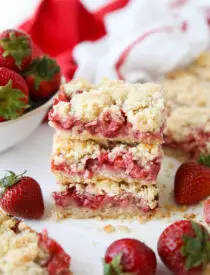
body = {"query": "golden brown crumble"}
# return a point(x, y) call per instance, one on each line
point(109, 228)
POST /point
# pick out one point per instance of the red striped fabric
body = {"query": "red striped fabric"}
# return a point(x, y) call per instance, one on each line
point(57, 26)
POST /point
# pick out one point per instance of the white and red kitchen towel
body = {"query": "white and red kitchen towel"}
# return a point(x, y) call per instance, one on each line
point(135, 40)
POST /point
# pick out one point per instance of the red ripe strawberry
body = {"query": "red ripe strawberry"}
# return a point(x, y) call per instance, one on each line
point(184, 247)
point(43, 77)
point(22, 196)
point(15, 50)
point(13, 94)
point(206, 211)
point(192, 181)
point(129, 256)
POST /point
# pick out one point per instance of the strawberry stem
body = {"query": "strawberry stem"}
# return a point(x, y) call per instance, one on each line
point(115, 267)
point(10, 179)
point(43, 69)
point(204, 160)
point(196, 249)
point(16, 46)
point(11, 102)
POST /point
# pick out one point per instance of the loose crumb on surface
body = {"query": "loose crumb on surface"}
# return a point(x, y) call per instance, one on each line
point(190, 216)
point(109, 228)
point(147, 218)
point(162, 213)
point(98, 218)
point(169, 211)
point(124, 228)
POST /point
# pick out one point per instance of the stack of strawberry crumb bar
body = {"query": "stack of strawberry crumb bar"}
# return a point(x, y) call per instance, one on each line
point(107, 148)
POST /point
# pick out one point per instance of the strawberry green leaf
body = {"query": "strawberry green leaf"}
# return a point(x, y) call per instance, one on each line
point(11, 102)
point(205, 160)
point(9, 180)
point(196, 249)
point(189, 262)
point(107, 269)
point(42, 69)
point(37, 82)
point(16, 46)
point(115, 267)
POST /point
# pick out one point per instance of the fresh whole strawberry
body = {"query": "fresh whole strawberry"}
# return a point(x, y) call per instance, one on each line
point(192, 181)
point(43, 77)
point(21, 196)
point(184, 247)
point(15, 50)
point(129, 256)
point(13, 94)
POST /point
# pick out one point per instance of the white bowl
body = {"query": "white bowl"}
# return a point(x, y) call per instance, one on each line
point(14, 131)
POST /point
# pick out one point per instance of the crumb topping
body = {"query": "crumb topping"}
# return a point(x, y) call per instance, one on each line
point(19, 252)
point(142, 104)
point(187, 90)
point(188, 99)
point(71, 87)
point(76, 151)
point(184, 121)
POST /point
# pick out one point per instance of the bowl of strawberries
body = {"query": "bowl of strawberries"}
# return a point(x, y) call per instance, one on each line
point(28, 83)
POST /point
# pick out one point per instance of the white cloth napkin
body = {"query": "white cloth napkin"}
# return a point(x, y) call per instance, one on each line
point(145, 40)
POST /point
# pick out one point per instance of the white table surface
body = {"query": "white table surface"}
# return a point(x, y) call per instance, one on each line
point(84, 240)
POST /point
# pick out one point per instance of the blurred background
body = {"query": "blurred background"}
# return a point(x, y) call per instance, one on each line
point(89, 37)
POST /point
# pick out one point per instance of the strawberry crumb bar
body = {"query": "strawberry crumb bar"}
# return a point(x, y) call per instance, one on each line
point(107, 148)
point(112, 110)
point(25, 252)
point(188, 107)
point(87, 161)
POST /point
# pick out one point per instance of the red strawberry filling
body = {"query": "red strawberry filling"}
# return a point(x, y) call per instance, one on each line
point(58, 262)
point(71, 197)
point(61, 97)
point(122, 167)
point(109, 125)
